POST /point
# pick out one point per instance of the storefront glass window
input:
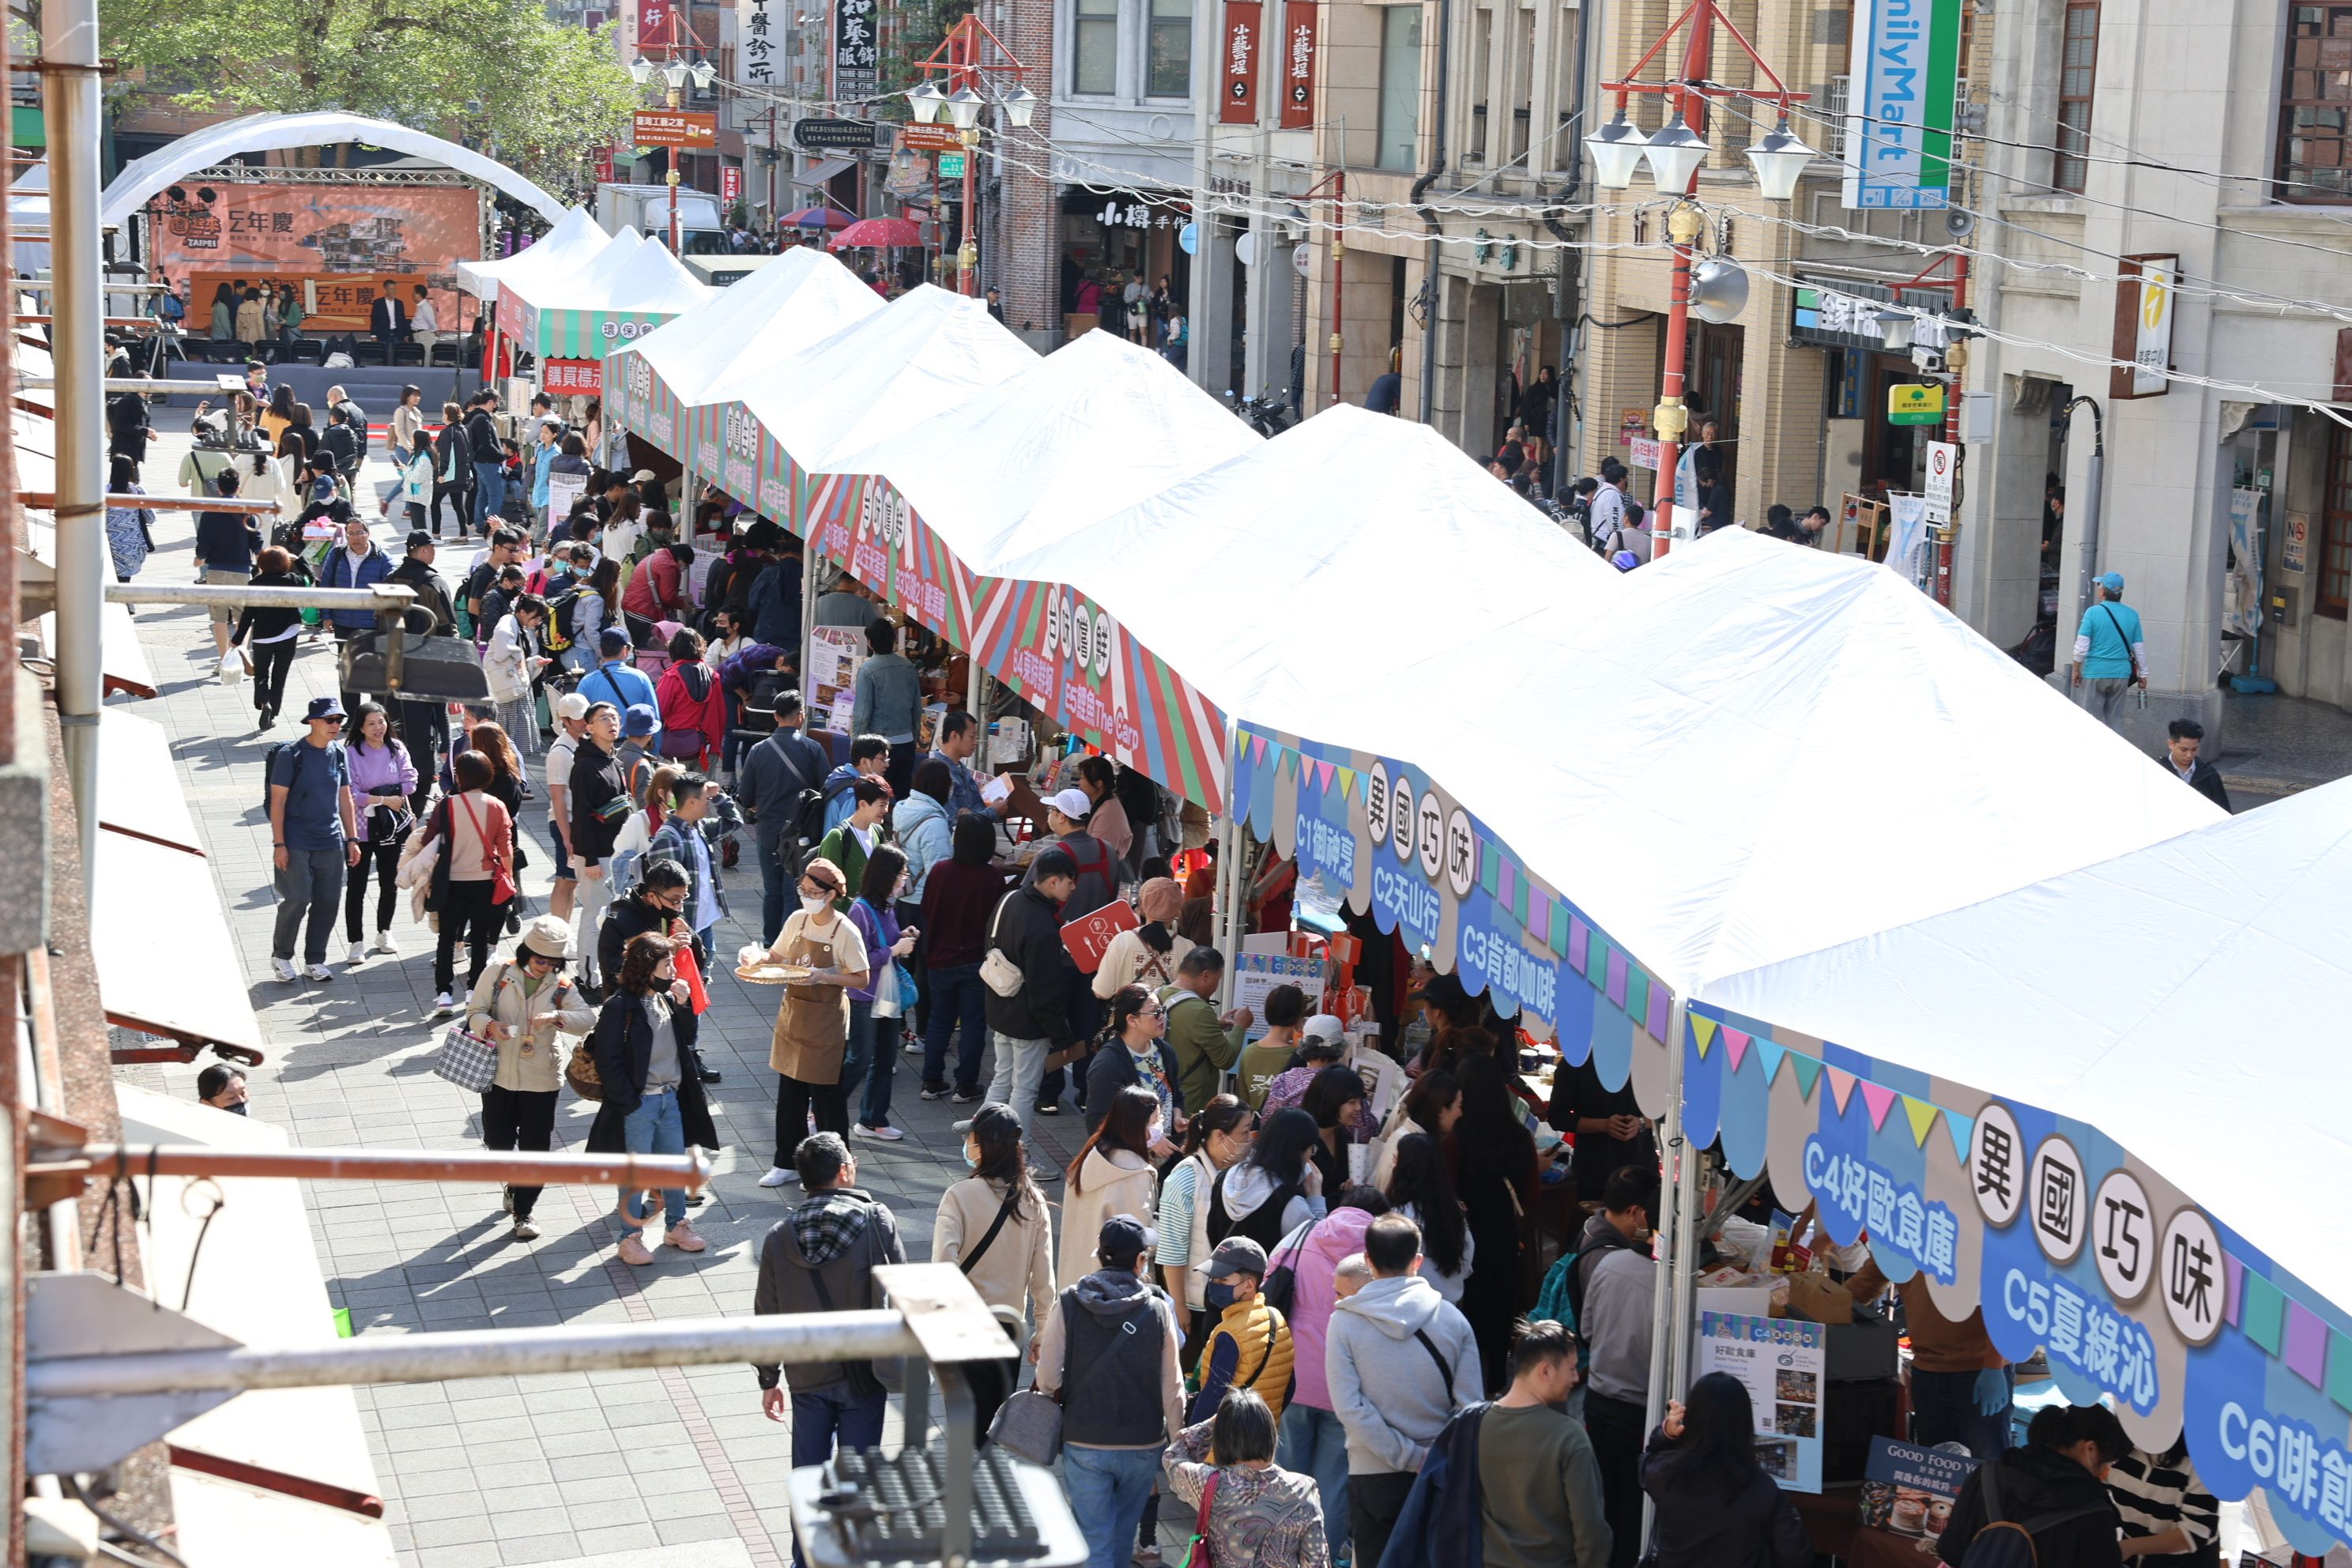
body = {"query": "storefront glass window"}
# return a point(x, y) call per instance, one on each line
point(1171, 71)
point(1400, 145)
point(1094, 54)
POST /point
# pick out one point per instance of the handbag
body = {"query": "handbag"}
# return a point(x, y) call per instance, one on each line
point(1028, 1426)
point(581, 1072)
point(1196, 1550)
point(502, 882)
point(997, 971)
point(466, 1058)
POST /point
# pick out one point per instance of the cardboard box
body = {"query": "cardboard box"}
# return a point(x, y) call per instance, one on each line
point(1814, 1297)
point(1747, 1301)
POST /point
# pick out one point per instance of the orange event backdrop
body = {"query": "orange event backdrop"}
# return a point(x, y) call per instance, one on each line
point(350, 239)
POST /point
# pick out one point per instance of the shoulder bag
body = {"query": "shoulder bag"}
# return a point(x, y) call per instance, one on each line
point(502, 882)
point(1028, 1424)
point(467, 1059)
point(970, 1260)
point(1196, 1550)
point(998, 972)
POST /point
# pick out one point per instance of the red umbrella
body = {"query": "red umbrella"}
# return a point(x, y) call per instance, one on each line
point(877, 234)
point(817, 217)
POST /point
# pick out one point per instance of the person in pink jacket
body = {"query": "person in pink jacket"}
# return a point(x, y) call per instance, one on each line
point(1313, 1441)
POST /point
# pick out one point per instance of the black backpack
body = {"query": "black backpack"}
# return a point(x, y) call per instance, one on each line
point(2003, 1542)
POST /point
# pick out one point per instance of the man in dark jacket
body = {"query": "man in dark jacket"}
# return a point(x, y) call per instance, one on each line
point(227, 542)
point(344, 444)
point(416, 574)
point(772, 778)
point(489, 460)
point(1034, 1021)
point(424, 725)
point(596, 784)
point(774, 601)
point(820, 1258)
point(2187, 739)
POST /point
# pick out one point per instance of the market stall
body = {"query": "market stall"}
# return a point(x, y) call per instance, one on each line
point(570, 323)
point(2050, 1102)
point(573, 242)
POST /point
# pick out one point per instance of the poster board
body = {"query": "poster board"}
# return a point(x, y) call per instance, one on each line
point(1782, 1362)
point(1255, 973)
point(1907, 1490)
point(212, 232)
point(834, 654)
point(563, 492)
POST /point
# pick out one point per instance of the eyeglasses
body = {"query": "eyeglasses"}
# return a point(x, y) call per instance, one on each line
point(1154, 1011)
point(827, 888)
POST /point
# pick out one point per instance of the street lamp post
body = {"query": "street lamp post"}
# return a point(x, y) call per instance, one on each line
point(960, 63)
point(675, 76)
point(1674, 155)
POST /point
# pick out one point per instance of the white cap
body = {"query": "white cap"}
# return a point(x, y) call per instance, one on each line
point(571, 705)
point(1323, 1027)
point(1074, 803)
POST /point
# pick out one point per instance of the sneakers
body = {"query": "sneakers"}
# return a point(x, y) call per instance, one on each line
point(283, 968)
point(703, 1071)
point(446, 1002)
point(525, 1231)
point(1053, 1109)
point(506, 1200)
point(935, 1091)
point(778, 1177)
point(385, 944)
point(318, 972)
point(883, 1134)
point(358, 955)
point(682, 1235)
point(964, 1097)
point(633, 1251)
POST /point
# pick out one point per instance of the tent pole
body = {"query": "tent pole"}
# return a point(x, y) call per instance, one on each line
point(1670, 1319)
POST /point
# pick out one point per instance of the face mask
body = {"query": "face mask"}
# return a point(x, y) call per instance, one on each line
point(816, 905)
point(1151, 1134)
point(1218, 1295)
point(971, 1160)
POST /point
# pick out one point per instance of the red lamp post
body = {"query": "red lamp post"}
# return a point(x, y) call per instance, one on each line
point(960, 61)
point(1674, 154)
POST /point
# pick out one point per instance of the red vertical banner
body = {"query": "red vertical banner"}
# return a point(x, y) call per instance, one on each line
point(1297, 64)
point(655, 23)
point(730, 185)
point(1238, 69)
point(605, 165)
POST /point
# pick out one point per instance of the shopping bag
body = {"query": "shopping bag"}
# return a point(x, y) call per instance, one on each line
point(234, 667)
point(465, 1059)
point(691, 973)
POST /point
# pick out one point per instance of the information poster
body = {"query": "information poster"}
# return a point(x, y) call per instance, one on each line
point(834, 654)
point(1780, 1361)
point(1909, 1491)
point(1255, 973)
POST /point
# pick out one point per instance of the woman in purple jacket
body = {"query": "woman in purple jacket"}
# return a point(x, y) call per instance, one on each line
point(873, 1047)
point(383, 780)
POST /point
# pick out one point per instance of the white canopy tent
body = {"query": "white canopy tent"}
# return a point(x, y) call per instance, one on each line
point(1083, 433)
point(2174, 995)
point(580, 284)
point(573, 242)
point(925, 350)
point(803, 298)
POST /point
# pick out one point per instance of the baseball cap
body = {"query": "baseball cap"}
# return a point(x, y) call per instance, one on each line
point(614, 641)
point(1123, 1237)
point(1074, 803)
point(641, 476)
point(1237, 1255)
point(418, 540)
point(2112, 582)
point(639, 719)
point(571, 705)
point(1323, 1028)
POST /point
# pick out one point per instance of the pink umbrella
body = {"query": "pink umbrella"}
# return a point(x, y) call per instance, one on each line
point(877, 234)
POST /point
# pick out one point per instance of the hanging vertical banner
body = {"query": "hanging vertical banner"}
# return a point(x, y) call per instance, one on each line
point(731, 186)
point(755, 55)
point(1297, 64)
point(2143, 326)
point(1238, 101)
point(856, 55)
point(1901, 100)
point(656, 23)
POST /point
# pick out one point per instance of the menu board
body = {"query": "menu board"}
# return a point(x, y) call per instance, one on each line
point(834, 654)
point(1781, 1362)
point(1909, 1491)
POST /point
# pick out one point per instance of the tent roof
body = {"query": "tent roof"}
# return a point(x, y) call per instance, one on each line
point(928, 350)
point(1758, 751)
point(573, 241)
point(2162, 995)
point(648, 279)
point(580, 282)
point(801, 298)
point(1085, 431)
point(1348, 527)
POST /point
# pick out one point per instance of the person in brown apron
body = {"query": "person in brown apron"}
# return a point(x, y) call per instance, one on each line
point(813, 1020)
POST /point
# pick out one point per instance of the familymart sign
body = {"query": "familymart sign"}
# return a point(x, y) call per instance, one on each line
point(1900, 103)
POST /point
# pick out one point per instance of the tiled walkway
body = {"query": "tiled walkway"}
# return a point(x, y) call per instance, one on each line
point(544, 1469)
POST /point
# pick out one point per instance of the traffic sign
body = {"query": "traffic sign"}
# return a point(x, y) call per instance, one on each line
point(1915, 405)
point(836, 135)
point(1943, 456)
point(677, 128)
point(931, 138)
point(950, 166)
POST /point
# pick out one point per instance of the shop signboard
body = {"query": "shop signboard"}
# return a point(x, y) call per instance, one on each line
point(838, 135)
point(1909, 1491)
point(1255, 973)
point(1914, 404)
point(1237, 64)
point(1297, 64)
point(1644, 452)
point(2143, 330)
point(1902, 95)
point(731, 186)
point(565, 377)
point(930, 138)
point(1632, 424)
point(834, 654)
point(683, 128)
point(1782, 1362)
point(856, 54)
point(756, 53)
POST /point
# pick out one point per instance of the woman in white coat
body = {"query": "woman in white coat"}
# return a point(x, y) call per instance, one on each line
point(1111, 1175)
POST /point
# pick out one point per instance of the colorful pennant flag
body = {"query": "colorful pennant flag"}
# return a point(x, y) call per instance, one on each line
point(1879, 1100)
point(1769, 1054)
point(1735, 1042)
point(1842, 1084)
point(1347, 783)
point(1703, 1030)
point(1921, 1114)
point(1808, 1073)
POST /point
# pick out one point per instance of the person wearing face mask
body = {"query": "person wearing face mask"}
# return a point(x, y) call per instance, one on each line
point(2056, 1483)
point(812, 1034)
point(1138, 1022)
point(1251, 1345)
point(995, 1227)
point(1215, 1138)
point(1111, 1175)
point(222, 1087)
point(1613, 1307)
point(644, 1047)
point(875, 1035)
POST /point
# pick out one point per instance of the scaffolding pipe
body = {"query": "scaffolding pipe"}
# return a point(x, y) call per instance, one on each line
point(480, 1352)
point(377, 596)
point(42, 500)
point(689, 1171)
point(69, 84)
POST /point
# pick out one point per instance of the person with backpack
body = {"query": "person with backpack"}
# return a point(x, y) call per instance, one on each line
point(453, 472)
point(1250, 1512)
point(692, 706)
point(1275, 1190)
point(275, 633)
point(523, 1006)
point(779, 779)
point(1029, 990)
point(488, 454)
point(313, 837)
point(994, 1226)
point(2044, 1505)
point(1714, 1503)
point(1108, 1350)
point(509, 664)
point(1401, 1360)
point(869, 758)
point(853, 842)
point(1611, 1288)
point(1206, 1042)
point(656, 590)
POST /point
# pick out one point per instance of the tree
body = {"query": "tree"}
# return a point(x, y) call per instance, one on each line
point(499, 76)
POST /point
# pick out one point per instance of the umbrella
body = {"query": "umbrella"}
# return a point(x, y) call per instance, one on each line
point(877, 234)
point(818, 217)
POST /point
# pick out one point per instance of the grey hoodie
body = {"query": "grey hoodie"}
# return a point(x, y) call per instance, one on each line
point(1111, 1296)
point(1386, 1387)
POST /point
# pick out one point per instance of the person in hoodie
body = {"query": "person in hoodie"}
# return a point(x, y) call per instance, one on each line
point(1260, 1515)
point(1401, 1360)
point(1313, 1441)
point(1276, 1191)
point(924, 827)
point(2058, 1476)
point(1613, 1307)
point(821, 1258)
point(1715, 1504)
point(1110, 1343)
point(869, 758)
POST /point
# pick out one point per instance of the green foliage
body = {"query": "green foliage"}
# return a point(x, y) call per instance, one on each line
point(499, 77)
point(920, 27)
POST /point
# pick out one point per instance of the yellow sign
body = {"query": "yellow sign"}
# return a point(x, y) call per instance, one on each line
point(1915, 405)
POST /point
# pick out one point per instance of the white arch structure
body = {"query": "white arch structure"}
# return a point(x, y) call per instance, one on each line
point(140, 179)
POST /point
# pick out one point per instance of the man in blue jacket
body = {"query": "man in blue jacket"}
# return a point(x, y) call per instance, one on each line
point(356, 563)
point(617, 681)
point(775, 601)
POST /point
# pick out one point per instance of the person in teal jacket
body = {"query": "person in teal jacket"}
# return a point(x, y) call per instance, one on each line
point(2110, 649)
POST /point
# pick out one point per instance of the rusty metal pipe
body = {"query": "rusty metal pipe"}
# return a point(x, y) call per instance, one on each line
point(690, 1172)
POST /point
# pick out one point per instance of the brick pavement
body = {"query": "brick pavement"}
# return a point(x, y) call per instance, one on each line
point(658, 1469)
